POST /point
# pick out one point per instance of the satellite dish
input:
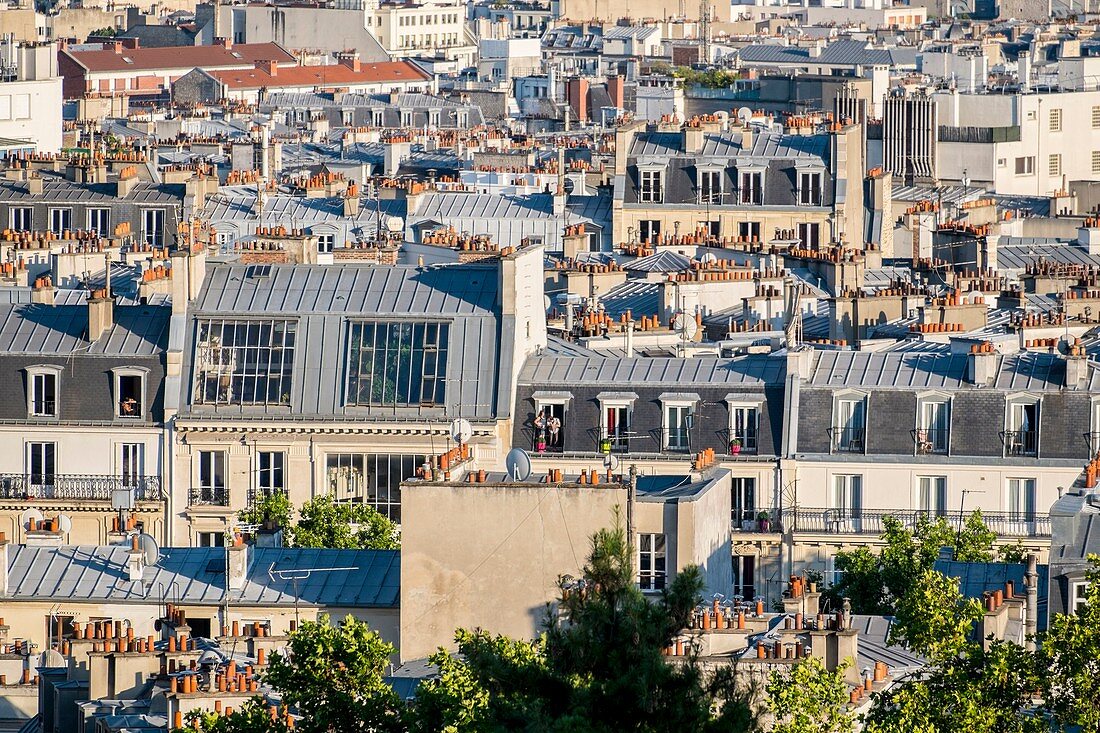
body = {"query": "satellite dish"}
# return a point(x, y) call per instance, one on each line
point(461, 430)
point(394, 224)
point(65, 523)
point(28, 516)
point(518, 464)
point(567, 185)
point(52, 658)
point(546, 302)
point(685, 325)
point(745, 115)
point(709, 258)
point(611, 462)
point(150, 550)
point(722, 115)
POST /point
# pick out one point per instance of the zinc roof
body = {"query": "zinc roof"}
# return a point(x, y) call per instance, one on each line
point(556, 370)
point(34, 328)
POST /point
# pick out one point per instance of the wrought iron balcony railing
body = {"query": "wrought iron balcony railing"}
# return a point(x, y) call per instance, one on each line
point(1021, 442)
point(868, 521)
point(930, 440)
point(848, 440)
point(208, 495)
point(77, 486)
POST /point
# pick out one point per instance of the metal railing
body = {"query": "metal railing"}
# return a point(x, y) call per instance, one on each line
point(209, 495)
point(255, 496)
point(78, 486)
point(930, 440)
point(848, 440)
point(868, 521)
point(1021, 442)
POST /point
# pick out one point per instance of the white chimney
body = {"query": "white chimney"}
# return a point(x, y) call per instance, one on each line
point(238, 557)
point(135, 561)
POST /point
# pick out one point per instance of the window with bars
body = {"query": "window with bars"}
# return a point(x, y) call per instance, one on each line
point(1054, 165)
point(244, 362)
point(651, 191)
point(651, 561)
point(397, 363)
point(372, 478)
point(1056, 120)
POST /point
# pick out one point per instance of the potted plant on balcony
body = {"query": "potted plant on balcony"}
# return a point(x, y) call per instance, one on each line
point(763, 522)
point(735, 446)
point(605, 445)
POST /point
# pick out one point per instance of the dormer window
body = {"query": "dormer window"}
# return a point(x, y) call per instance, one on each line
point(651, 190)
point(1021, 437)
point(129, 386)
point(42, 391)
point(809, 188)
point(752, 187)
point(850, 423)
point(710, 186)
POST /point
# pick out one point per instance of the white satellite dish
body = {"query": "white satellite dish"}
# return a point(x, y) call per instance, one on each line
point(52, 658)
point(461, 430)
point(518, 464)
point(685, 325)
point(65, 523)
point(745, 115)
point(611, 462)
point(150, 550)
point(28, 516)
point(546, 302)
point(395, 224)
point(709, 258)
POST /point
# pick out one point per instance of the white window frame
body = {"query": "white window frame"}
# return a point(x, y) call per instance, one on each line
point(43, 370)
point(26, 212)
point(1029, 165)
point(131, 462)
point(265, 484)
point(101, 228)
point(739, 585)
point(713, 195)
point(1054, 120)
point(1094, 427)
point(31, 445)
point(116, 382)
point(154, 238)
point(669, 402)
point(59, 227)
point(654, 192)
point(846, 502)
point(750, 431)
point(929, 438)
point(212, 457)
point(617, 401)
point(806, 193)
point(653, 545)
point(1078, 595)
point(1021, 502)
point(744, 197)
point(1011, 426)
point(931, 496)
point(849, 443)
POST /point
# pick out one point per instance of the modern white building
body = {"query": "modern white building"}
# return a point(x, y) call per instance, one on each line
point(30, 94)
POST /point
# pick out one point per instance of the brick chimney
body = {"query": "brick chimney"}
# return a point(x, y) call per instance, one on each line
point(271, 68)
point(350, 59)
point(101, 313)
point(616, 90)
point(225, 43)
point(1077, 366)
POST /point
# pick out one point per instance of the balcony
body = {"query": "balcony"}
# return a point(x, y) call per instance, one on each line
point(1021, 442)
point(208, 496)
point(78, 487)
point(255, 496)
point(848, 440)
point(928, 441)
point(870, 522)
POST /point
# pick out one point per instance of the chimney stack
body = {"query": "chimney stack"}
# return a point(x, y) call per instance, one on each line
point(135, 561)
point(982, 364)
point(101, 316)
point(43, 291)
point(1077, 365)
point(239, 558)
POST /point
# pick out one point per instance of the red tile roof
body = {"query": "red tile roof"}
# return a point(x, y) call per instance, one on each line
point(177, 57)
point(314, 76)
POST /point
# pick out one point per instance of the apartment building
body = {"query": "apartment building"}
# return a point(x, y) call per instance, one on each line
point(432, 29)
point(30, 95)
point(297, 379)
point(737, 182)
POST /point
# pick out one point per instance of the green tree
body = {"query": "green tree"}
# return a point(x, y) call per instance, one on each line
point(1070, 656)
point(333, 677)
point(598, 667)
point(273, 508)
point(326, 523)
point(808, 698)
point(254, 716)
point(933, 619)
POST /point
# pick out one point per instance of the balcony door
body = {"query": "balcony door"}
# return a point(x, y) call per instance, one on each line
point(932, 433)
point(131, 463)
point(847, 508)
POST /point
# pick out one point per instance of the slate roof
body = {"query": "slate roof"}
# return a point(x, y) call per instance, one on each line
point(748, 370)
point(303, 76)
point(663, 261)
point(196, 575)
point(56, 188)
point(34, 328)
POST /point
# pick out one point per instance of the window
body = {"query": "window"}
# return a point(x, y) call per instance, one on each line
point(1096, 161)
point(131, 463)
point(210, 539)
point(1021, 500)
point(809, 189)
point(809, 235)
point(130, 390)
point(59, 627)
point(752, 187)
point(1025, 166)
point(1096, 117)
point(744, 576)
point(933, 425)
point(270, 470)
point(932, 495)
point(1054, 165)
point(651, 561)
point(397, 363)
point(749, 231)
point(61, 220)
point(1022, 435)
point(99, 221)
point(1055, 120)
point(211, 488)
point(21, 218)
point(847, 503)
point(849, 425)
point(373, 479)
point(615, 430)
point(710, 186)
point(244, 362)
point(649, 230)
point(651, 191)
point(376, 117)
point(712, 228)
point(344, 472)
point(326, 242)
point(43, 396)
point(744, 502)
point(1078, 596)
point(743, 424)
point(41, 464)
point(152, 226)
point(678, 419)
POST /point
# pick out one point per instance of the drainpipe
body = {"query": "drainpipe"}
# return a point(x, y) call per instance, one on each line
point(1031, 623)
point(168, 451)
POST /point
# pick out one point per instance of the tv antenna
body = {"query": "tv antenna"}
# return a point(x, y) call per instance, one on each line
point(297, 575)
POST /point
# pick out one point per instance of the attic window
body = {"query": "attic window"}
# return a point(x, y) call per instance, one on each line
point(257, 271)
point(127, 59)
point(237, 55)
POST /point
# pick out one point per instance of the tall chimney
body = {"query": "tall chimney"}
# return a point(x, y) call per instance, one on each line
point(238, 557)
point(101, 313)
point(135, 561)
point(1031, 622)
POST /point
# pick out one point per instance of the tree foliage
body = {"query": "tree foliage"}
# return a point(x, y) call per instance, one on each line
point(333, 676)
point(1070, 658)
point(254, 716)
point(874, 583)
point(598, 667)
point(808, 698)
point(323, 522)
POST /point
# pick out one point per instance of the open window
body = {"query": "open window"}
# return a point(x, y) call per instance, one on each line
point(849, 422)
point(551, 413)
point(130, 400)
point(1021, 435)
point(43, 384)
point(678, 412)
point(933, 424)
point(616, 410)
point(744, 425)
